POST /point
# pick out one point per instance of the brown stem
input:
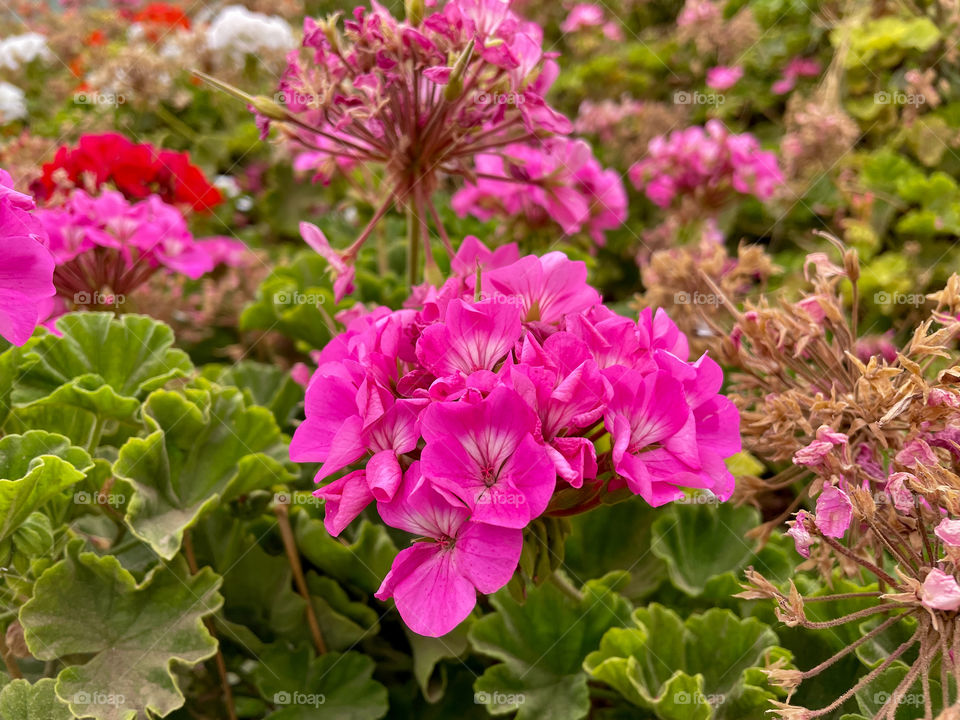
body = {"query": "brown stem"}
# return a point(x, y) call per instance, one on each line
point(12, 668)
point(858, 559)
point(221, 663)
point(293, 556)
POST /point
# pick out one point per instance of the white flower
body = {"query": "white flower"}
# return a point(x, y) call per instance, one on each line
point(13, 103)
point(22, 49)
point(238, 32)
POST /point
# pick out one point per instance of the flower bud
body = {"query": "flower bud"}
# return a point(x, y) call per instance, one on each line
point(454, 87)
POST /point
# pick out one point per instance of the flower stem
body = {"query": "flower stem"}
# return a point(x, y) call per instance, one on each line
point(293, 556)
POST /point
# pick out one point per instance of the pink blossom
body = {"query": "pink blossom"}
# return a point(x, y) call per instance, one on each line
point(701, 160)
point(915, 452)
point(940, 591)
point(723, 77)
point(472, 337)
point(834, 512)
point(552, 181)
point(902, 498)
point(581, 16)
point(435, 583)
point(949, 531)
point(798, 67)
point(801, 536)
point(26, 266)
point(484, 455)
point(340, 268)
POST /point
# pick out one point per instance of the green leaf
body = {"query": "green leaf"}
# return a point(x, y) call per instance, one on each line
point(427, 654)
point(541, 646)
point(704, 667)
point(909, 703)
point(101, 364)
point(22, 701)
point(343, 622)
point(204, 447)
point(35, 467)
point(335, 686)
point(699, 541)
point(90, 605)
point(617, 537)
point(267, 385)
point(363, 563)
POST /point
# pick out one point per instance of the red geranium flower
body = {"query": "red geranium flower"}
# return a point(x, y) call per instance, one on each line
point(134, 169)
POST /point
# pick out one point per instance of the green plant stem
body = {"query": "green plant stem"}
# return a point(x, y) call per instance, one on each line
point(565, 586)
point(413, 242)
point(221, 663)
point(293, 556)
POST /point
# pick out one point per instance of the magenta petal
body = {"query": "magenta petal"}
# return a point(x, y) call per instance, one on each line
point(431, 596)
point(384, 475)
point(488, 555)
point(345, 498)
point(834, 512)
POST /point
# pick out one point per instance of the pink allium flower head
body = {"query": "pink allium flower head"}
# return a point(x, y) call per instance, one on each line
point(484, 455)
point(426, 97)
point(707, 161)
point(834, 512)
point(723, 77)
point(940, 591)
point(435, 583)
point(26, 266)
point(949, 532)
point(802, 539)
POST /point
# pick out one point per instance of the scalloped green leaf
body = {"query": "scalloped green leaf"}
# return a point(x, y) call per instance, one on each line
point(90, 605)
point(339, 686)
point(267, 385)
point(205, 446)
point(35, 467)
point(705, 667)
point(541, 646)
point(699, 541)
point(101, 364)
point(20, 700)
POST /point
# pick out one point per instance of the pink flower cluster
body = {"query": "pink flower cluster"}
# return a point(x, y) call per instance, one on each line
point(105, 243)
point(26, 266)
point(463, 414)
point(708, 162)
point(558, 181)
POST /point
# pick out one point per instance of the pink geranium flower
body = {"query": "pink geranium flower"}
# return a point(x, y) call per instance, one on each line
point(26, 265)
point(435, 581)
point(484, 456)
point(801, 536)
